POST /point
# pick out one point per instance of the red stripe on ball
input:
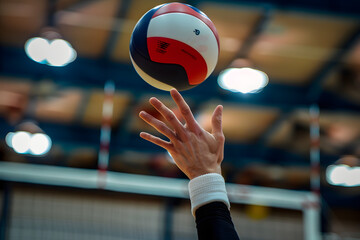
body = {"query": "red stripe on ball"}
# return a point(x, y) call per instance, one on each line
point(166, 50)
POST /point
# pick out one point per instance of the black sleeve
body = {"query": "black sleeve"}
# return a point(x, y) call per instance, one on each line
point(213, 222)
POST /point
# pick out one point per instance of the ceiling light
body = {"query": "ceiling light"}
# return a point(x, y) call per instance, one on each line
point(40, 144)
point(343, 175)
point(345, 172)
point(37, 49)
point(28, 138)
point(244, 80)
point(20, 142)
point(27, 143)
point(50, 49)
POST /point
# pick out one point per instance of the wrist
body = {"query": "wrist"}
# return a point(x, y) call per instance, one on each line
point(207, 188)
point(196, 174)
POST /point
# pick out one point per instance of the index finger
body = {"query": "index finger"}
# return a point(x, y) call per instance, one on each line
point(184, 109)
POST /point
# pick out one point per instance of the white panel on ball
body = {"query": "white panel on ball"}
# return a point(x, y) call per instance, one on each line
point(171, 25)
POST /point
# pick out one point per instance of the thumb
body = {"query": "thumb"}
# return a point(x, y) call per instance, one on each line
point(216, 121)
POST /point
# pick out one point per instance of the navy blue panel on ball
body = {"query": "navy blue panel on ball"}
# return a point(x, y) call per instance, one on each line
point(139, 35)
point(171, 74)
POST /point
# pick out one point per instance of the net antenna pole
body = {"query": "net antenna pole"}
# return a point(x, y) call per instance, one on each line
point(311, 208)
point(315, 149)
point(105, 132)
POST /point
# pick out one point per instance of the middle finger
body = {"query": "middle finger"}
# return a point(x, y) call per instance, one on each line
point(158, 125)
point(168, 115)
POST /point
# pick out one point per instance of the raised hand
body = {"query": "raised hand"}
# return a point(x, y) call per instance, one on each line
point(195, 151)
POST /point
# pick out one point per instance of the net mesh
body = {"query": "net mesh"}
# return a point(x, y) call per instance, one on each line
point(36, 214)
point(60, 213)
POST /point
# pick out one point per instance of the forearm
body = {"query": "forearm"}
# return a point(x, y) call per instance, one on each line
point(213, 222)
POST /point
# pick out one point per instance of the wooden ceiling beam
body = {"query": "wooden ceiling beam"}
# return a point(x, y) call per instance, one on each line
point(256, 32)
point(315, 88)
point(110, 45)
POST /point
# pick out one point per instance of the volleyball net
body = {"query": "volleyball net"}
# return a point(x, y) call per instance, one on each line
point(148, 207)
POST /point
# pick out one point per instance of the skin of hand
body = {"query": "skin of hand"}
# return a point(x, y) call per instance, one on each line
point(195, 151)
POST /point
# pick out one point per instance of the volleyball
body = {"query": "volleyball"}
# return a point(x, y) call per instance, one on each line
point(174, 45)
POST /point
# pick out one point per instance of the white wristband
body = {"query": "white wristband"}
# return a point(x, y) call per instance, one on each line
point(207, 188)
